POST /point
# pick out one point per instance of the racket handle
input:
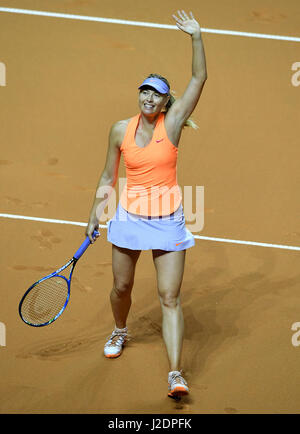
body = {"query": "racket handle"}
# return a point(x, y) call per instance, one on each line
point(84, 246)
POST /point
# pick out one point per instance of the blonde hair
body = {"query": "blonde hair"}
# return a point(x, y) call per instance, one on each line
point(189, 122)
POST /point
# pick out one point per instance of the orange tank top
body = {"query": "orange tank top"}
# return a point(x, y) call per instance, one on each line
point(151, 188)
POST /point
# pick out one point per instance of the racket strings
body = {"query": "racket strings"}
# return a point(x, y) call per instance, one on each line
point(45, 301)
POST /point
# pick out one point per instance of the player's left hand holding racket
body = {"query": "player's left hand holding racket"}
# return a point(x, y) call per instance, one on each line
point(47, 298)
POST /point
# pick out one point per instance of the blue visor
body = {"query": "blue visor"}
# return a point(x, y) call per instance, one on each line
point(157, 84)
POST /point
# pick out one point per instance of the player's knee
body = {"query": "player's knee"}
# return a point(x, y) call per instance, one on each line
point(122, 288)
point(170, 300)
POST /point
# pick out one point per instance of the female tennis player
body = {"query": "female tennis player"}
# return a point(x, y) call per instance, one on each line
point(150, 214)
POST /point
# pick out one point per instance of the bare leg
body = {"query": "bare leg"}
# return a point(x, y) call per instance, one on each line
point(123, 266)
point(169, 268)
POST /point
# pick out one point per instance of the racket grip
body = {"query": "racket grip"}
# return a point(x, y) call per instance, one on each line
point(84, 246)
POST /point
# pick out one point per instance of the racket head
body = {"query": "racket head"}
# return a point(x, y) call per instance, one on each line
point(45, 300)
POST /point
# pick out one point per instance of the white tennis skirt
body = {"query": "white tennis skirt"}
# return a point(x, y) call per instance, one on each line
point(137, 232)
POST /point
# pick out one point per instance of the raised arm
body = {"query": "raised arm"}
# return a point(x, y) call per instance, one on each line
point(183, 107)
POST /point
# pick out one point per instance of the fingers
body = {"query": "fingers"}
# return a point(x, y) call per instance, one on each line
point(93, 238)
point(178, 21)
point(90, 233)
point(97, 234)
point(185, 15)
point(182, 17)
point(90, 238)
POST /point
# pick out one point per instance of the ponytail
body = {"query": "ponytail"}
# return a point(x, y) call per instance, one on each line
point(189, 122)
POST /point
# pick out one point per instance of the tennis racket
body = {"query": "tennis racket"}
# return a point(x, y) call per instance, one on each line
point(47, 298)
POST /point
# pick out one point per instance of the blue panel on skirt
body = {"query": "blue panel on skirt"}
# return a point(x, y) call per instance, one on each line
point(145, 232)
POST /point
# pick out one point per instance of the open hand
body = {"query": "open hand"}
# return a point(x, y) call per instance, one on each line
point(187, 24)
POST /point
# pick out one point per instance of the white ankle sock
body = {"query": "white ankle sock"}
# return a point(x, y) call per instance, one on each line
point(124, 330)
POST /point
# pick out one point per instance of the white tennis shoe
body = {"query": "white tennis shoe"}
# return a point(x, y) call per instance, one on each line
point(177, 384)
point(114, 345)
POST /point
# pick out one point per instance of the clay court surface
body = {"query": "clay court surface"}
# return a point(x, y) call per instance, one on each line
point(67, 81)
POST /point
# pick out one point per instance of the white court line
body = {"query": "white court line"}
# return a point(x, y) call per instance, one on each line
point(223, 240)
point(145, 24)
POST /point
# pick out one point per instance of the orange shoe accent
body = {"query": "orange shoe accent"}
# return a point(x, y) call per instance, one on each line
point(112, 356)
point(179, 243)
point(178, 391)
